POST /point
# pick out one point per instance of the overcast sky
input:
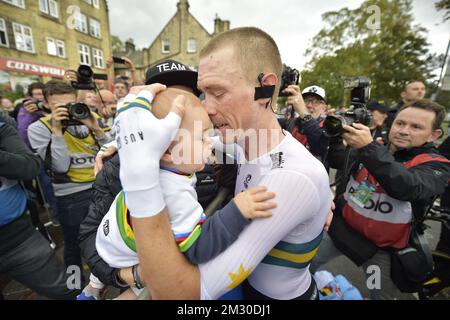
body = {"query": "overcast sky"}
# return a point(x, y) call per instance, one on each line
point(292, 23)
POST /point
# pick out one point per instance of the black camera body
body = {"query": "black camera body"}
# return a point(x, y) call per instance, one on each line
point(40, 104)
point(358, 113)
point(77, 111)
point(85, 78)
point(289, 77)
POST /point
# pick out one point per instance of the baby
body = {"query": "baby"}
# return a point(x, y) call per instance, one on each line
point(198, 237)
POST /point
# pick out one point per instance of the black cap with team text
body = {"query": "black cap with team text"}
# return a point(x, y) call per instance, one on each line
point(173, 73)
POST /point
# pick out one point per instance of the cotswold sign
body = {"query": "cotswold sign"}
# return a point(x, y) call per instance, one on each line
point(31, 68)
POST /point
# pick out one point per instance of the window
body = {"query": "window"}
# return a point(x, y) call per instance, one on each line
point(56, 47)
point(98, 58)
point(23, 37)
point(94, 3)
point(17, 3)
point(49, 7)
point(192, 46)
point(3, 35)
point(165, 46)
point(60, 48)
point(81, 20)
point(85, 57)
point(51, 47)
point(94, 27)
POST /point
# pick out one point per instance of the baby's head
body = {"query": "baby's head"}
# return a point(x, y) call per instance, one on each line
point(192, 146)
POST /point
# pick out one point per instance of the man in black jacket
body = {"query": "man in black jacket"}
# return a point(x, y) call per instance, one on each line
point(387, 192)
point(24, 253)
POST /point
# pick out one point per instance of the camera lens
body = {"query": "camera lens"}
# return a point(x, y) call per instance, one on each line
point(79, 111)
point(333, 125)
point(85, 71)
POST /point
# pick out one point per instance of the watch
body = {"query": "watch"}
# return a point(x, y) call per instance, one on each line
point(136, 279)
point(306, 117)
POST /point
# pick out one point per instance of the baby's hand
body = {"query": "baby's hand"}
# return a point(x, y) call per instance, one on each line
point(253, 203)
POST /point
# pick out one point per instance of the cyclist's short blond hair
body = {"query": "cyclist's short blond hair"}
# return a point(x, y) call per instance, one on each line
point(254, 50)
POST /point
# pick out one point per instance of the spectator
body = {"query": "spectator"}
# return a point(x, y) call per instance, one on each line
point(378, 127)
point(29, 112)
point(6, 105)
point(68, 153)
point(388, 190)
point(25, 254)
point(108, 106)
point(414, 90)
point(310, 107)
point(92, 101)
point(34, 108)
point(120, 89)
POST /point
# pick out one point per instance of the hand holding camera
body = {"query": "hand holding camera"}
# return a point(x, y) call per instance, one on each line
point(33, 106)
point(295, 99)
point(357, 135)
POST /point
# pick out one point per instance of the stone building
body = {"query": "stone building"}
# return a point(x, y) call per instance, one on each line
point(180, 39)
point(39, 39)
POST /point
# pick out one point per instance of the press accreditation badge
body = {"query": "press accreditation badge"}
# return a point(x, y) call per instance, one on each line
point(363, 193)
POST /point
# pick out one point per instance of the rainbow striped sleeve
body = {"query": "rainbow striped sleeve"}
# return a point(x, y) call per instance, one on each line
point(186, 240)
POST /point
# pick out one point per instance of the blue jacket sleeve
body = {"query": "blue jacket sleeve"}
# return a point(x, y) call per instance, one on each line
point(218, 232)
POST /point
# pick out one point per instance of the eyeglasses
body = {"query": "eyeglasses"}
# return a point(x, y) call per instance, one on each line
point(314, 102)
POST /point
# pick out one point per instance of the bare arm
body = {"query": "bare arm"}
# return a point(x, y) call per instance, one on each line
point(164, 268)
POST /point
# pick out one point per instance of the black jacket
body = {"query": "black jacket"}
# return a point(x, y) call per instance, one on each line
point(17, 162)
point(417, 185)
point(107, 185)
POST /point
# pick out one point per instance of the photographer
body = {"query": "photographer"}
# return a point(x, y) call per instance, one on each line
point(68, 140)
point(32, 109)
point(388, 190)
point(311, 108)
point(25, 254)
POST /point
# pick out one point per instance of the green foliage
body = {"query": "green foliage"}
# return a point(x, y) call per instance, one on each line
point(117, 44)
point(444, 5)
point(391, 52)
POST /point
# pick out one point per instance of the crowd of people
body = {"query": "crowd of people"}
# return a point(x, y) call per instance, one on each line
point(191, 186)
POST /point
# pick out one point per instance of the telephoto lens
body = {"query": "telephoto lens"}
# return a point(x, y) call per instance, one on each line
point(78, 111)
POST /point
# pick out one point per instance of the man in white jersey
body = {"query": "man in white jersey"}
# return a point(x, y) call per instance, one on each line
point(239, 74)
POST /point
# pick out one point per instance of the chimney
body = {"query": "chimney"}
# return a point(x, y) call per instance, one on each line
point(129, 45)
point(218, 25)
point(226, 25)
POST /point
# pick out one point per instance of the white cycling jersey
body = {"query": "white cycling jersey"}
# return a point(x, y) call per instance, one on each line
point(274, 254)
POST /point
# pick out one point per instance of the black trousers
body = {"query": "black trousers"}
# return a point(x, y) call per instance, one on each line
point(34, 264)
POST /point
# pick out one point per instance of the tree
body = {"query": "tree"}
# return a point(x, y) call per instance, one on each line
point(444, 5)
point(117, 44)
point(378, 39)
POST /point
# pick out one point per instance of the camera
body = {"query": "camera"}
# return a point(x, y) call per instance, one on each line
point(289, 77)
point(85, 78)
point(40, 104)
point(358, 113)
point(77, 111)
